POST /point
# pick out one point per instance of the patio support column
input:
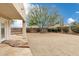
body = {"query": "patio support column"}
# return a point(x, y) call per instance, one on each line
point(8, 29)
point(24, 29)
point(0, 31)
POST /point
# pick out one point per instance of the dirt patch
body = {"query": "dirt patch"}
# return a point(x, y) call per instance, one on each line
point(6, 50)
point(53, 44)
point(3, 45)
point(16, 43)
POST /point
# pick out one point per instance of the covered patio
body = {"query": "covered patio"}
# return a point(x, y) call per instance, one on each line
point(9, 12)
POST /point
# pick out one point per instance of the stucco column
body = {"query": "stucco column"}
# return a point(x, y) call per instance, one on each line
point(8, 29)
point(24, 29)
point(0, 31)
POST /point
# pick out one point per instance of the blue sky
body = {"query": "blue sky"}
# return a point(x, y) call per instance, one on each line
point(70, 11)
point(67, 10)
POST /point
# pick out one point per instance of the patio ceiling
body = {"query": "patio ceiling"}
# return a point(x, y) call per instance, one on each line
point(8, 10)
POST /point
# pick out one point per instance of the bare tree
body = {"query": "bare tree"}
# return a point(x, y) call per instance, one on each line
point(43, 17)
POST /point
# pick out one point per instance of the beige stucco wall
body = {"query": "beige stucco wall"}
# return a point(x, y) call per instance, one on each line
point(20, 9)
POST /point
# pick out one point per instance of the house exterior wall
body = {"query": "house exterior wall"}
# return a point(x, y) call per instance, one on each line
point(20, 8)
point(6, 23)
point(16, 11)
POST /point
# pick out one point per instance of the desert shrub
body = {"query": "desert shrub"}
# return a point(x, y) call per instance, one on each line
point(54, 30)
point(75, 28)
point(49, 30)
point(58, 29)
point(65, 29)
point(38, 29)
point(27, 30)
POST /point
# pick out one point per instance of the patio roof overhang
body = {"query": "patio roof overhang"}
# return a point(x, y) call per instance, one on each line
point(10, 11)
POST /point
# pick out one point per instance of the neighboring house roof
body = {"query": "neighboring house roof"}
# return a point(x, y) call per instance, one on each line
point(54, 26)
point(35, 26)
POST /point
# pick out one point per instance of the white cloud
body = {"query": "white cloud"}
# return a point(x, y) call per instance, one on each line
point(70, 20)
point(27, 7)
point(77, 12)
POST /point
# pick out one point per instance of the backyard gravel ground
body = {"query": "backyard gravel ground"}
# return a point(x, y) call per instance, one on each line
point(53, 44)
point(44, 44)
